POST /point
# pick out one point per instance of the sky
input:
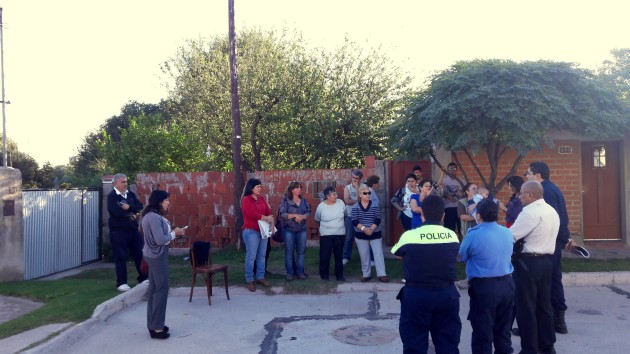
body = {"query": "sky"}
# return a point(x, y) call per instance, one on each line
point(71, 64)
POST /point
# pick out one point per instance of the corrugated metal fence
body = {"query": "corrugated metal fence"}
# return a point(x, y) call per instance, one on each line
point(61, 230)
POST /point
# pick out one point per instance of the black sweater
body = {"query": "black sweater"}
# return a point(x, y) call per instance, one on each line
point(120, 219)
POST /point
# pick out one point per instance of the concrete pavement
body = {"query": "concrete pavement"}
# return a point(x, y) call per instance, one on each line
point(357, 315)
point(358, 318)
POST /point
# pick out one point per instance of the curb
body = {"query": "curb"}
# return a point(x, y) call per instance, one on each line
point(103, 311)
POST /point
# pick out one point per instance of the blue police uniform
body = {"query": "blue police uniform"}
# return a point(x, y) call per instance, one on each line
point(429, 301)
point(487, 251)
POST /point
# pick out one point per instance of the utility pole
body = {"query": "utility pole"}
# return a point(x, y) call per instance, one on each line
point(4, 120)
point(236, 124)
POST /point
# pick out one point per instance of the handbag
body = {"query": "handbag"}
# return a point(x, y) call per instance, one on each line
point(277, 236)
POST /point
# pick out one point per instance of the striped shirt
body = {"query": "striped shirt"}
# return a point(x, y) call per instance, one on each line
point(366, 217)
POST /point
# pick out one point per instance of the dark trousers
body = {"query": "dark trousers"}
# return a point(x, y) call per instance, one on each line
point(558, 302)
point(533, 305)
point(331, 245)
point(124, 244)
point(451, 220)
point(425, 310)
point(405, 221)
point(490, 315)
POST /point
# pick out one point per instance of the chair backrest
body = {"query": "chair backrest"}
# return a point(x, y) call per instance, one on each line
point(200, 253)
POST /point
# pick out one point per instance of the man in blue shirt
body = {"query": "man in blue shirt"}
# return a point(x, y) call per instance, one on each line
point(487, 251)
point(539, 171)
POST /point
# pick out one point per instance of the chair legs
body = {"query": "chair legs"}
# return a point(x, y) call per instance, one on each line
point(225, 281)
point(208, 279)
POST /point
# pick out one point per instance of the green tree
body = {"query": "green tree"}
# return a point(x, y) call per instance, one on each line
point(496, 105)
point(46, 176)
point(23, 162)
point(150, 144)
point(300, 108)
point(617, 72)
point(89, 165)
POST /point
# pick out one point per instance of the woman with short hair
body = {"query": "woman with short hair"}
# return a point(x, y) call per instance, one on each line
point(157, 237)
point(332, 231)
point(366, 219)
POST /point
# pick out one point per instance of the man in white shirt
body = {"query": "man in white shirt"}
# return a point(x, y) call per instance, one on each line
point(537, 225)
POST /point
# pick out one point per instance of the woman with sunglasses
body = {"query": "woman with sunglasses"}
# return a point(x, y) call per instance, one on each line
point(366, 219)
point(332, 230)
point(416, 203)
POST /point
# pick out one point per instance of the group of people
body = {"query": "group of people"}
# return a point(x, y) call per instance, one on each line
point(513, 272)
point(342, 222)
point(507, 280)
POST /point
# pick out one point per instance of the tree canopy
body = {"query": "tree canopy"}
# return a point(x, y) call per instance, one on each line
point(497, 105)
point(300, 108)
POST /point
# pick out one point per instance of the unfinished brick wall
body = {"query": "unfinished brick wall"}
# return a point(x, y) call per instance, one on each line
point(205, 200)
point(565, 173)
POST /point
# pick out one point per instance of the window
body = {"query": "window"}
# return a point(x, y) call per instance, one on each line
point(599, 156)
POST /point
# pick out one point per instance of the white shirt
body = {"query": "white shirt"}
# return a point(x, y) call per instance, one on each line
point(331, 218)
point(539, 224)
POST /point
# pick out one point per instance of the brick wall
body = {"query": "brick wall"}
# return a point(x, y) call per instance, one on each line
point(205, 200)
point(565, 172)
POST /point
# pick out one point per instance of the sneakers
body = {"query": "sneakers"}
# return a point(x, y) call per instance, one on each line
point(123, 288)
point(289, 277)
point(301, 276)
point(263, 282)
point(345, 261)
point(250, 286)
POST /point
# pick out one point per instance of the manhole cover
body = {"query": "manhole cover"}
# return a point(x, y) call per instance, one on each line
point(365, 335)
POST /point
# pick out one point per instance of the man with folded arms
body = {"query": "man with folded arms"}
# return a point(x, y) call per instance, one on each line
point(487, 251)
point(538, 225)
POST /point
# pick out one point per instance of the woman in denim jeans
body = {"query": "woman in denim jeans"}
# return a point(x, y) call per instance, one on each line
point(294, 211)
point(254, 207)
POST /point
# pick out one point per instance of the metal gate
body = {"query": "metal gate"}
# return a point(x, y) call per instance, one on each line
point(61, 230)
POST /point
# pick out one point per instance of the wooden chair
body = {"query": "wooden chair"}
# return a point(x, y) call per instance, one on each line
point(201, 260)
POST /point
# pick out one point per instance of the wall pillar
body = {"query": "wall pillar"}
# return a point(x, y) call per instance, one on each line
point(11, 225)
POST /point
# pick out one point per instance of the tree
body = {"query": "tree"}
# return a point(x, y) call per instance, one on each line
point(46, 176)
point(299, 108)
point(617, 72)
point(89, 165)
point(150, 144)
point(495, 106)
point(23, 162)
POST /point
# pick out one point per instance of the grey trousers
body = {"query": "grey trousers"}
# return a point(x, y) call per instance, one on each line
point(157, 293)
point(364, 253)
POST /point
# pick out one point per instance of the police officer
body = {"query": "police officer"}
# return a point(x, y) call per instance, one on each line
point(487, 251)
point(429, 301)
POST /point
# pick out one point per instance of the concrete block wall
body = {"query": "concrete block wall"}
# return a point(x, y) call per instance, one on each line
point(565, 173)
point(11, 225)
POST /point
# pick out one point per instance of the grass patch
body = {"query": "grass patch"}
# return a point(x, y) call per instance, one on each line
point(73, 299)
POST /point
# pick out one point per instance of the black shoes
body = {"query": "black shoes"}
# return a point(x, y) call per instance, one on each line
point(160, 335)
point(559, 323)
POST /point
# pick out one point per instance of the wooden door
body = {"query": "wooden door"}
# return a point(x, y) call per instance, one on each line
point(601, 199)
point(398, 171)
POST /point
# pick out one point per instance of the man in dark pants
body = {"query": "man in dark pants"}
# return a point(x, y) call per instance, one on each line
point(429, 301)
point(124, 206)
point(539, 171)
point(487, 251)
point(537, 225)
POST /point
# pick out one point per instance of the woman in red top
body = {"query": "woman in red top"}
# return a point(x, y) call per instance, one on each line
point(254, 207)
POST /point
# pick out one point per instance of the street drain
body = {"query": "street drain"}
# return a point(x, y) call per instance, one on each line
point(365, 335)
